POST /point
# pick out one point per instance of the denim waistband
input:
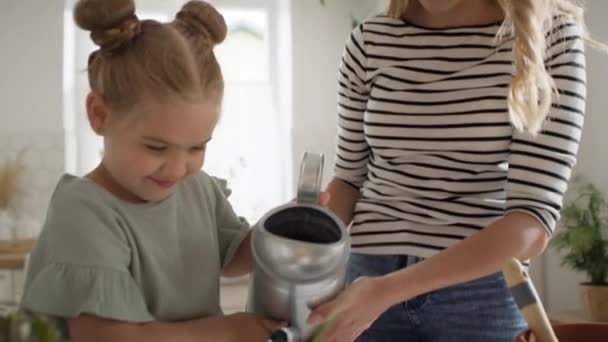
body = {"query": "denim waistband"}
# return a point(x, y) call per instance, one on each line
point(409, 260)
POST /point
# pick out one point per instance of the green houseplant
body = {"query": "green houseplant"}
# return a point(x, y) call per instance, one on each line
point(28, 327)
point(583, 244)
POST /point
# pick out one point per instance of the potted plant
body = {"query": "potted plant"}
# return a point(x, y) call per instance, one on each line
point(583, 244)
point(28, 327)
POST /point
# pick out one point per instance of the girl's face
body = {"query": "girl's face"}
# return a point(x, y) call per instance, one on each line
point(149, 151)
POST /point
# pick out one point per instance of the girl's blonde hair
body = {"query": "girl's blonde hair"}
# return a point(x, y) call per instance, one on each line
point(144, 60)
point(528, 22)
point(204, 27)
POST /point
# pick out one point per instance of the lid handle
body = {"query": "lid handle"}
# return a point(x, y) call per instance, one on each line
point(309, 183)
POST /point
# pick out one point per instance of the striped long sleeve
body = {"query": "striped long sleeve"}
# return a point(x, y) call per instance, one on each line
point(540, 167)
point(425, 134)
point(353, 92)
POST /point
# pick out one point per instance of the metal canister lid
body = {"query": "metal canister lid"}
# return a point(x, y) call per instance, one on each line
point(283, 335)
point(309, 183)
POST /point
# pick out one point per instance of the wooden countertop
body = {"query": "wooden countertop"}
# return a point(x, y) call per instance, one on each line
point(14, 253)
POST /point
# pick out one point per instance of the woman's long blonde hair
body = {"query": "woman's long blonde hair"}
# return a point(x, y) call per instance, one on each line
point(527, 22)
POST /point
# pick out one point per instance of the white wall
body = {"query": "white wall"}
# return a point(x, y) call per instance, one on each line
point(319, 34)
point(31, 48)
point(31, 43)
point(593, 159)
point(31, 64)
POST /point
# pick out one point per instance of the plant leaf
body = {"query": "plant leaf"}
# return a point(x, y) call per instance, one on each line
point(583, 238)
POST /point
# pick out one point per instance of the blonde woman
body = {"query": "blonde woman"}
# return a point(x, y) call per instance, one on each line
point(459, 123)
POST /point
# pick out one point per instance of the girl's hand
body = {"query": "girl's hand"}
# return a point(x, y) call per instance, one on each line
point(351, 313)
point(251, 327)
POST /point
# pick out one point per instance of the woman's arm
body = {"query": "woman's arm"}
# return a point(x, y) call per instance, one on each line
point(342, 199)
point(539, 170)
point(517, 234)
point(352, 148)
point(236, 327)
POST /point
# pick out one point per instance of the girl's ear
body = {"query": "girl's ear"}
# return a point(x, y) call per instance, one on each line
point(97, 113)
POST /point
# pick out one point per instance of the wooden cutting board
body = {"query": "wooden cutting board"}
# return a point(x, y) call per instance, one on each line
point(14, 253)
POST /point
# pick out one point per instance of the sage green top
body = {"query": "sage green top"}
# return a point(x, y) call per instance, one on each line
point(106, 257)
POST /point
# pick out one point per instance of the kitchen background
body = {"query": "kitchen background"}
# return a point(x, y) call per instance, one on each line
point(280, 103)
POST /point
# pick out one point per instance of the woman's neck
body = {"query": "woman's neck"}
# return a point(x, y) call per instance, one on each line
point(464, 13)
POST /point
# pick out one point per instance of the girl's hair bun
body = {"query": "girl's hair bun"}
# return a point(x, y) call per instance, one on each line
point(201, 18)
point(111, 22)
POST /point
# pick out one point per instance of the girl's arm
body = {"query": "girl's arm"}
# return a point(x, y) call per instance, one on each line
point(240, 264)
point(236, 327)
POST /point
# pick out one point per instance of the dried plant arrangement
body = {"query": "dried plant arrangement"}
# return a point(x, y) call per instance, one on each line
point(10, 172)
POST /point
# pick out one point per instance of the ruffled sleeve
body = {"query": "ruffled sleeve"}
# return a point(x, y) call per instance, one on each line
point(68, 291)
point(81, 261)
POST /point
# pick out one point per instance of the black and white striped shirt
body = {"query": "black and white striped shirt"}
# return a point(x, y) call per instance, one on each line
point(424, 133)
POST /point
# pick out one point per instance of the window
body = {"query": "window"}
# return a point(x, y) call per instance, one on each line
point(251, 145)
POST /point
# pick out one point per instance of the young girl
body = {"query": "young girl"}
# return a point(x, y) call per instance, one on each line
point(454, 152)
point(134, 251)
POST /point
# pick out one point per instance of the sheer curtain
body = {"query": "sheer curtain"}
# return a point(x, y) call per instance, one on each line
point(251, 145)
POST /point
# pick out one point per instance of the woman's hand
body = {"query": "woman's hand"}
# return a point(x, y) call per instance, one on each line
point(251, 327)
point(352, 312)
point(324, 198)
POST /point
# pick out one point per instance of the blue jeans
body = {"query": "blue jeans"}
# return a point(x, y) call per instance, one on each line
point(481, 310)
